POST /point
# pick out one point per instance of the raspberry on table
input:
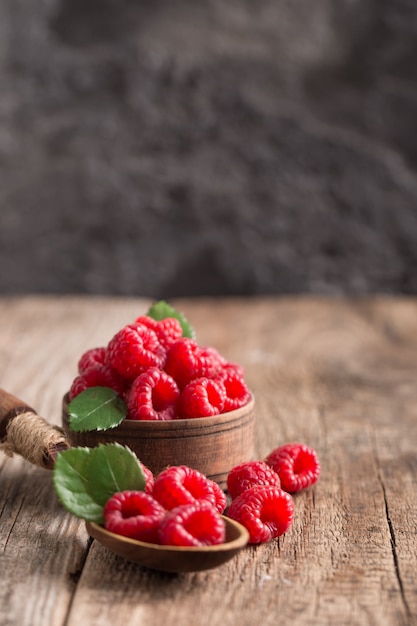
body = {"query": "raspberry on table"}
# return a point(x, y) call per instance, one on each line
point(98, 376)
point(202, 397)
point(134, 514)
point(180, 484)
point(250, 474)
point(296, 464)
point(265, 511)
point(186, 360)
point(195, 524)
point(168, 330)
point(92, 358)
point(134, 349)
point(237, 392)
point(153, 395)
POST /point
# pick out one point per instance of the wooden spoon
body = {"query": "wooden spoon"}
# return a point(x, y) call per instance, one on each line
point(173, 558)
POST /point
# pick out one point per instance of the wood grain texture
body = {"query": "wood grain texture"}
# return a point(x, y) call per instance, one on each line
point(338, 374)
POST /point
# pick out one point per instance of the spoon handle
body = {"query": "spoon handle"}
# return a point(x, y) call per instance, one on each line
point(24, 432)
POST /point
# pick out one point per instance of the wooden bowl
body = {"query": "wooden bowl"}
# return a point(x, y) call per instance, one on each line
point(211, 445)
point(173, 558)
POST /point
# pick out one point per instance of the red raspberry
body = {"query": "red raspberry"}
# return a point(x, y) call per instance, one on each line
point(250, 474)
point(266, 512)
point(134, 514)
point(92, 358)
point(195, 524)
point(187, 361)
point(134, 349)
point(296, 464)
point(98, 376)
point(149, 478)
point(202, 397)
point(237, 393)
point(180, 484)
point(222, 364)
point(168, 330)
point(234, 367)
point(214, 356)
point(153, 396)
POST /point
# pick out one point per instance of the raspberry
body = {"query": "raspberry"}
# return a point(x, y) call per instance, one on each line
point(134, 514)
point(213, 355)
point(149, 478)
point(153, 396)
point(187, 361)
point(195, 524)
point(202, 397)
point(250, 474)
point(180, 484)
point(237, 393)
point(168, 330)
point(134, 349)
point(296, 464)
point(97, 376)
point(266, 512)
point(92, 358)
point(234, 367)
point(221, 364)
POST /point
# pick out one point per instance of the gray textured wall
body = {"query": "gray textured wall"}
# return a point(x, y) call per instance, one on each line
point(167, 148)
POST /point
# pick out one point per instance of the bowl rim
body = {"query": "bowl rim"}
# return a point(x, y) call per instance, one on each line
point(182, 422)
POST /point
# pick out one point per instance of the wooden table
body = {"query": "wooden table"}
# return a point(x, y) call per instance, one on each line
point(339, 375)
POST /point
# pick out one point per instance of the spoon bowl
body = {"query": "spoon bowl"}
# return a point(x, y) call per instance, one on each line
point(173, 558)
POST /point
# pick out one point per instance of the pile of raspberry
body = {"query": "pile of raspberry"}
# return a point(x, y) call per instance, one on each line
point(262, 491)
point(183, 507)
point(180, 507)
point(162, 375)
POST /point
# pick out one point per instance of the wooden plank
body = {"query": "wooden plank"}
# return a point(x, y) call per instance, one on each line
point(42, 548)
point(339, 375)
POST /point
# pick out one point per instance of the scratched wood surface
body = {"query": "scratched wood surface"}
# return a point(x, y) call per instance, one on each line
point(338, 374)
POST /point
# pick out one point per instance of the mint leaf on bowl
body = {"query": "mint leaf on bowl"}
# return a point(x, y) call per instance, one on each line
point(85, 478)
point(96, 408)
point(161, 309)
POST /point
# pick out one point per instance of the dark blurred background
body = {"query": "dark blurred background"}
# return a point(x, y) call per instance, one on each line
point(165, 148)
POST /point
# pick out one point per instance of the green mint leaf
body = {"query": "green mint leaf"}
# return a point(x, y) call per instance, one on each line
point(85, 478)
point(113, 468)
point(96, 408)
point(70, 483)
point(161, 309)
